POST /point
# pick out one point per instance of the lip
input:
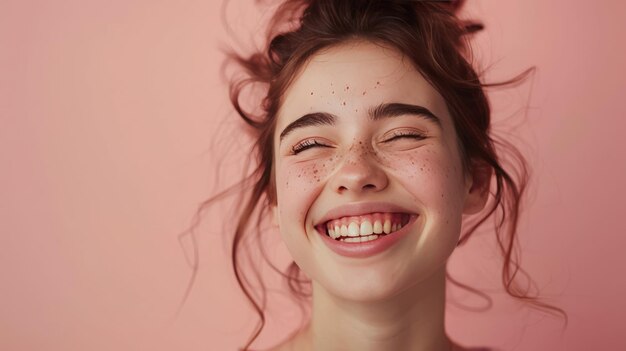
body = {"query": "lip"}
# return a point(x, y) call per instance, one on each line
point(368, 248)
point(362, 208)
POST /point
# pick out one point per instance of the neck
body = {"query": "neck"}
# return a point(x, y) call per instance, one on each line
point(411, 320)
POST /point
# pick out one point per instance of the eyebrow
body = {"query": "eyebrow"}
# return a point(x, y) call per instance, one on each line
point(381, 111)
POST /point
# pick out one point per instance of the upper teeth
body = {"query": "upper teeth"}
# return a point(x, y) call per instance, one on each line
point(353, 229)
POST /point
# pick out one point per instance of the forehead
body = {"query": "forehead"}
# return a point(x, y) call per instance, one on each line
point(347, 60)
point(357, 75)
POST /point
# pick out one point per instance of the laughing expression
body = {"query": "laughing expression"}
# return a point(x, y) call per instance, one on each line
point(365, 149)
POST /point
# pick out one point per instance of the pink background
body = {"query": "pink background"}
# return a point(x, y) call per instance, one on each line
point(111, 121)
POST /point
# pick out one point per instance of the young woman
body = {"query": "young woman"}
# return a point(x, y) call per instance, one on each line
point(374, 151)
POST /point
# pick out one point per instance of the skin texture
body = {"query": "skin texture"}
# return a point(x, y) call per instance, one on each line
point(394, 300)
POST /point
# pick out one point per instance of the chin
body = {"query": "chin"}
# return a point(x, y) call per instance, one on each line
point(360, 285)
point(386, 281)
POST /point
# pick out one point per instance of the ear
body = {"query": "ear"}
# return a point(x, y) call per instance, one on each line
point(275, 216)
point(271, 196)
point(477, 184)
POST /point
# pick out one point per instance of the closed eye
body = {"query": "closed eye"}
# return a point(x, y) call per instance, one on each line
point(305, 145)
point(406, 134)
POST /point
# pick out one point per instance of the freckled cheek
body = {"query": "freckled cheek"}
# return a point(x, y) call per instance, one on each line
point(301, 177)
point(298, 185)
point(432, 178)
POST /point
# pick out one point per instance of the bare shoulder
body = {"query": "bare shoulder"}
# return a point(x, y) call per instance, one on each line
point(284, 346)
point(290, 344)
point(458, 347)
point(297, 341)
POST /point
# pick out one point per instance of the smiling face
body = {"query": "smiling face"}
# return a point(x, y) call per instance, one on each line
point(361, 137)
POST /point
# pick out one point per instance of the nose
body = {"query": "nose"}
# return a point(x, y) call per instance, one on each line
point(358, 176)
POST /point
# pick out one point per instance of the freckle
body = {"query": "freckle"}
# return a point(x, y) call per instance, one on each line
point(421, 169)
point(377, 83)
point(357, 110)
point(364, 92)
point(315, 171)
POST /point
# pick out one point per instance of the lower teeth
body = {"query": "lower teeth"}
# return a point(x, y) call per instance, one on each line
point(357, 239)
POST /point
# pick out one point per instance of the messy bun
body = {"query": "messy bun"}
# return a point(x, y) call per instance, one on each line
point(436, 40)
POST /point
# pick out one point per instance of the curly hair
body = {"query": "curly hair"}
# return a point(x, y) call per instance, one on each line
point(431, 35)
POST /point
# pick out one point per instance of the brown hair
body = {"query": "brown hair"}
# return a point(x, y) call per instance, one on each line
point(435, 39)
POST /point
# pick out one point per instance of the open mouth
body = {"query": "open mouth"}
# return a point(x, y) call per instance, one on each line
point(365, 227)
